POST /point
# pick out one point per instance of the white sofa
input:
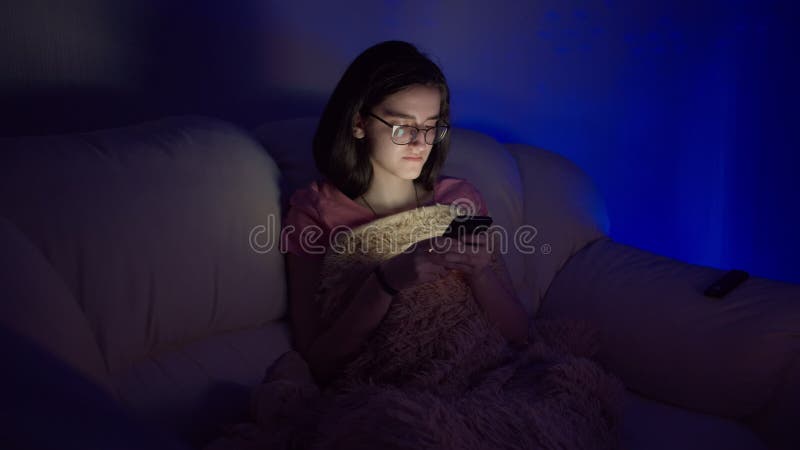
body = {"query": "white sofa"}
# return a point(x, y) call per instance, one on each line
point(146, 259)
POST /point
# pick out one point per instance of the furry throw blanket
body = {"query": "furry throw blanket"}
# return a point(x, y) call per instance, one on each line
point(435, 374)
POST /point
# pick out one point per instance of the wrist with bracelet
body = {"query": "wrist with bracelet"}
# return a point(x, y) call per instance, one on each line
point(380, 276)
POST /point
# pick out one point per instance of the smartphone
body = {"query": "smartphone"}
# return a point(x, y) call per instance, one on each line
point(467, 225)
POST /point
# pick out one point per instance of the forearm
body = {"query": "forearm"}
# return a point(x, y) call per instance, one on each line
point(500, 306)
point(342, 340)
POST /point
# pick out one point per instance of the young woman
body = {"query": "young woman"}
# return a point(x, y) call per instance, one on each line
point(412, 349)
point(380, 144)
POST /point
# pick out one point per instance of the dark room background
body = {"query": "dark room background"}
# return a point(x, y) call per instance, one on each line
point(685, 113)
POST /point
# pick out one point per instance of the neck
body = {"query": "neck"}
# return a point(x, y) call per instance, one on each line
point(391, 194)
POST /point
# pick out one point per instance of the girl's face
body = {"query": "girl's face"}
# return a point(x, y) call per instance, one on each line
point(417, 105)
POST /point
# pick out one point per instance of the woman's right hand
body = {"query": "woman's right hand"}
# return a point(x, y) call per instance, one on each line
point(413, 266)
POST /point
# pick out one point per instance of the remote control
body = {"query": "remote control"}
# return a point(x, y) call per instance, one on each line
point(727, 283)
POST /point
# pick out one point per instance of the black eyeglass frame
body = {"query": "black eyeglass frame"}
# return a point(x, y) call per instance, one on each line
point(416, 131)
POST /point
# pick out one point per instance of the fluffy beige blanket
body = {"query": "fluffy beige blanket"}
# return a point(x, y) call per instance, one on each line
point(436, 374)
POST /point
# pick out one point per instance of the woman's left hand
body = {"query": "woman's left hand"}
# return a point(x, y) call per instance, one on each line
point(470, 254)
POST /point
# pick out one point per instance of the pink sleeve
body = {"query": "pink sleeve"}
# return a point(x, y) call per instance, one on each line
point(303, 231)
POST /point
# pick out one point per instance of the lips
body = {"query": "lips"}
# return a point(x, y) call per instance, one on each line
point(413, 158)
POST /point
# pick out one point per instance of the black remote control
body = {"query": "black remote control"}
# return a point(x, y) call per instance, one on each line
point(727, 283)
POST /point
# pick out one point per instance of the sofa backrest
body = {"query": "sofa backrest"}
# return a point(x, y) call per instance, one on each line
point(157, 230)
point(563, 206)
point(165, 232)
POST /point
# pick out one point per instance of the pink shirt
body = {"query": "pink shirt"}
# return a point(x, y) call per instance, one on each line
point(315, 210)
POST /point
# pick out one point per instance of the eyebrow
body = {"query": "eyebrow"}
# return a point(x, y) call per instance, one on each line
point(400, 115)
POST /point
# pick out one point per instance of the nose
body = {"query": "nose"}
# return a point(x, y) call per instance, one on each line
point(418, 140)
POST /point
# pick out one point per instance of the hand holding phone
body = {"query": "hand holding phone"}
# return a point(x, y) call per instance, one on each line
point(467, 226)
point(471, 231)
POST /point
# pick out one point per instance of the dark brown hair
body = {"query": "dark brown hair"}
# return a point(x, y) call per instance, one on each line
point(376, 73)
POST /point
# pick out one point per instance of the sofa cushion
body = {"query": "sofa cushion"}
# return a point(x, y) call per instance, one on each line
point(664, 338)
point(160, 231)
point(777, 423)
point(563, 211)
point(651, 425)
point(192, 390)
point(37, 305)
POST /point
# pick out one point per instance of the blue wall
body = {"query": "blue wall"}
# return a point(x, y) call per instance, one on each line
point(685, 113)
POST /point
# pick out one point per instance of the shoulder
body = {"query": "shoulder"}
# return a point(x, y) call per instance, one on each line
point(323, 202)
point(309, 191)
point(313, 194)
point(447, 184)
point(451, 190)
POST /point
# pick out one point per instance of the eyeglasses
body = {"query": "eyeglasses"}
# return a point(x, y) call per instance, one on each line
point(405, 134)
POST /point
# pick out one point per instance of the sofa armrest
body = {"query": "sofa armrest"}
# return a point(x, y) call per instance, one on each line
point(37, 305)
point(730, 357)
point(48, 405)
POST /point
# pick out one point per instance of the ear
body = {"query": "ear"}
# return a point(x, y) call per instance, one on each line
point(359, 127)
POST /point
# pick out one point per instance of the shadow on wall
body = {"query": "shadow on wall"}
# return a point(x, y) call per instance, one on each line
point(142, 60)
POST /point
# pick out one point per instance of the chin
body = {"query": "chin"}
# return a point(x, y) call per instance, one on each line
point(411, 175)
point(409, 172)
